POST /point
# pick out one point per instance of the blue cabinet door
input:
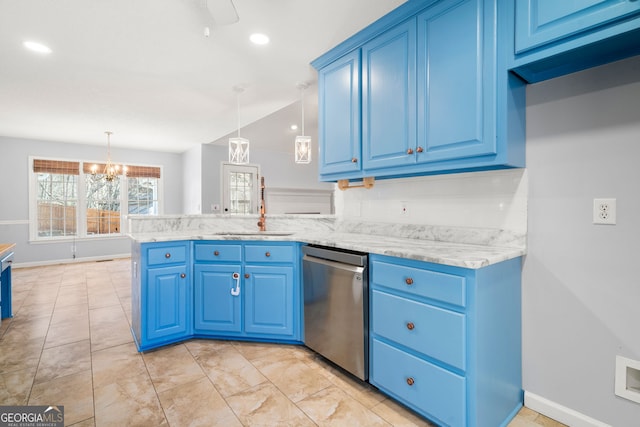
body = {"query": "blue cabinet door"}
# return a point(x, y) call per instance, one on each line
point(167, 303)
point(269, 300)
point(339, 115)
point(217, 298)
point(456, 82)
point(540, 22)
point(388, 98)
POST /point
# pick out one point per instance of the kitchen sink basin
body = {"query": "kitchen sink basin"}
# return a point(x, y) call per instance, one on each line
point(255, 233)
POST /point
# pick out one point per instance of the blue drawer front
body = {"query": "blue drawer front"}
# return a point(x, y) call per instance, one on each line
point(217, 252)
point(430, 284)
point(268, 253)
point(430, 330)
point(167, 254)
point(435, 391)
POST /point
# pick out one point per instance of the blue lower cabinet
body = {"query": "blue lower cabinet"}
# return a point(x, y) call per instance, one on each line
point(269, 300)
point(217, 300)
point(168, 293)
point(456, 359)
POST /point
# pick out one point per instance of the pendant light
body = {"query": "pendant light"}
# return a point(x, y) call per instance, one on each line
point(238, 147)
point(110, 171)
point(303, 143)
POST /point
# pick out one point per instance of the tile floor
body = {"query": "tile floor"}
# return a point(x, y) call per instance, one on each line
point(69, 344)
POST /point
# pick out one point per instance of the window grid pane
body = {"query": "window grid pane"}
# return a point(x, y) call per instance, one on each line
point(103, 205)
point(240, 192)
point(56, 202)
point(143, 196)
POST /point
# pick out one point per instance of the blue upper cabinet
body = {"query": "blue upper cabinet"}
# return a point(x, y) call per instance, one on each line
point(553, 37)
point(339, 115)
point(435, 94)
point(455, 90)
point(389, 98)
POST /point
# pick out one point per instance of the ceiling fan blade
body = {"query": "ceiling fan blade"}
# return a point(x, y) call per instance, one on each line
point(223, 12)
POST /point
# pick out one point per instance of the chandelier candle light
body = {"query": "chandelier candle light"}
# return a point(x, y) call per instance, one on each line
point(238, 147)
point(303, 143)
point(110, 171)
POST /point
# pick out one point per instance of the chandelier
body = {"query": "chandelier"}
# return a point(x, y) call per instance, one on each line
point(238, 147)
point(302, 145)
point(110, 171)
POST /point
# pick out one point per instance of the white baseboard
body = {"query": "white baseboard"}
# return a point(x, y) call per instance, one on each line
point(559, 413)
point(69, 261)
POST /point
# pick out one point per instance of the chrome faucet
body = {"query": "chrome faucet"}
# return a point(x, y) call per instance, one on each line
point(262, 224)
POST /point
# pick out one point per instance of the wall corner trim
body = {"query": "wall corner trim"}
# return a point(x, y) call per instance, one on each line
point(559, 413)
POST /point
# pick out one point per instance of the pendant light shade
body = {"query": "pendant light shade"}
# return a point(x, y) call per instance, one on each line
point(302, 147)
point(238, 146)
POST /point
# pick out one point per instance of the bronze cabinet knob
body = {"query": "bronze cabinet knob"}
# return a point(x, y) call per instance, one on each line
point(354, 160)
point(167, 255)
point(216, 253)
point(410, 151)
point(409, 281)
point(410, 326)
point(246, 275)
point(419, 149)
point(267, 254)
point(410, 381)
point(183, 275)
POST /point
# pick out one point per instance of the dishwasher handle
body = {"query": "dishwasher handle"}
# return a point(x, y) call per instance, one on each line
point(334, 264)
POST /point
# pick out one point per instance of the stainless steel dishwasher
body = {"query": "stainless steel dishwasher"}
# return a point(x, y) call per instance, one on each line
point(336, 306)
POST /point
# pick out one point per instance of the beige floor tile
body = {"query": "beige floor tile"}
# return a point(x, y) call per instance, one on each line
point(63, 313)
point(399, 416)
point(172, 366)
point(333, 407)
point(128, 401)
point(64, 360)
point(69, 330)
point(295, 378)
point(15, 386)
point(197, 404)
point(86, 423)
point(227, 369)
point(16, 356)
point(74, 392)
point(109, 327)
point(265, 405)
point(116, 362)
point(23, 328)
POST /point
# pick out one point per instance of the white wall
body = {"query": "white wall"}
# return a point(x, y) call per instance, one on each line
point(14, 196)
point(581, 292)
point(192, 179)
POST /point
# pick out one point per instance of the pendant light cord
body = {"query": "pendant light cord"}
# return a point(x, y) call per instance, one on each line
point(302, 102)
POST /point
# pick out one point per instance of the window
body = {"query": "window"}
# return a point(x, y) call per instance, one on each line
point(68, 200)
point(240, 188)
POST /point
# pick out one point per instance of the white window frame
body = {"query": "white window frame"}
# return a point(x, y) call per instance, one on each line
point(81, 214)
point(227, 168)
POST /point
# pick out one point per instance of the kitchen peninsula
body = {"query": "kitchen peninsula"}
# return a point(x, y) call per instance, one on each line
point(444, 303)
point(6, 259)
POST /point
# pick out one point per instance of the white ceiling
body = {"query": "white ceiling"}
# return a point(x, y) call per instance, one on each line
point(144, 69)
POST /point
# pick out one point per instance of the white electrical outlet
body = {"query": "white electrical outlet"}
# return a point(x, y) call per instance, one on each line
point(403, 208)
point(604, 211)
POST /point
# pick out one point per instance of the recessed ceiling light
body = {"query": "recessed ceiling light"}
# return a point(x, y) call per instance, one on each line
point(294, 127)
point(259, 38)
point(36, 47)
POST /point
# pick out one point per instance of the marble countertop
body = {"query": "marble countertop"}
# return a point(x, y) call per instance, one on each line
point(5, 248)
point(472, 256)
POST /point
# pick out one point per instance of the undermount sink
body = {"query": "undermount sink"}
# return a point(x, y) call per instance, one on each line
point(255, 233)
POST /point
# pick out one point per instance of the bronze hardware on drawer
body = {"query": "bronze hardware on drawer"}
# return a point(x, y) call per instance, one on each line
point(267, 254)
point(167, 255)
point(216, 253)
point(354, 160)
point(410, 381)
point(410, 326)
point(409, 151)
point(182, 275)
point(409, 281)
point(419, 149)
point(246, 275)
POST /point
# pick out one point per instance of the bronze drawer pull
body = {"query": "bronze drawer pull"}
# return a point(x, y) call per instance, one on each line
point(409, 151)
point(354, 160)
point(246, 275)
point(419, 149)
point(167, 255)
point(409, 281)
point(410, 326)
point(267, 254)
point(183, 275)
point(410, 381)
point(216, 253)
